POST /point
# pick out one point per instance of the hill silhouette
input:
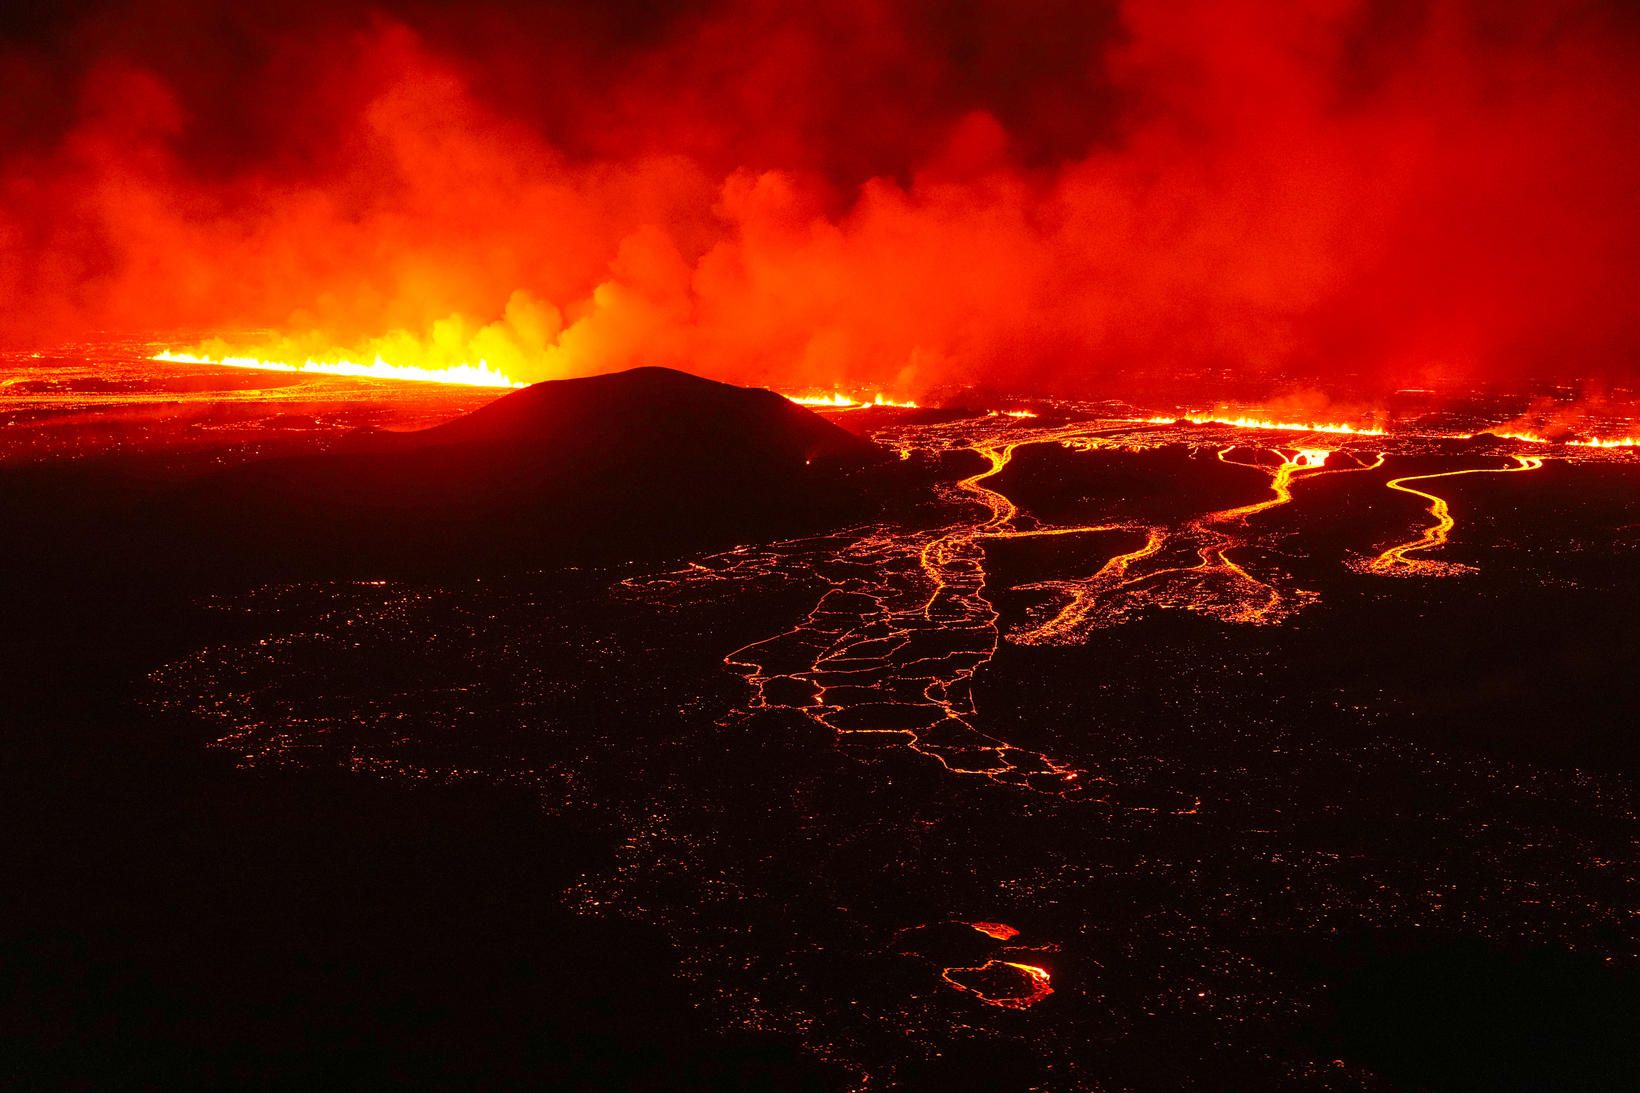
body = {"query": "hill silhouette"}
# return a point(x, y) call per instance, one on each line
point(644, 408)
point(632, 464)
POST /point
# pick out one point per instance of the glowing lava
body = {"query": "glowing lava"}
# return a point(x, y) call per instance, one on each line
point(999, 930)
point(988, 981)
point(839, 401)
point(470, 375)
point(1213, 584)
point(1246, 422)
point(905, 618)
point(889, 652)
point(1571, 441)
point(1396, 561)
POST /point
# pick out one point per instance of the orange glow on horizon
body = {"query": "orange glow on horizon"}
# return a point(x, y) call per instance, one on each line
point(1242, 421)
point(1526, 438)
point(839, 401)
point(447, 364)
point(470, 375)
point(1614, 442)
point(1570, 441)
point(548, 198)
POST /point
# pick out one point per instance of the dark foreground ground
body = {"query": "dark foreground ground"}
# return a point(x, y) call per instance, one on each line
point(506, 835)
point(173, 922)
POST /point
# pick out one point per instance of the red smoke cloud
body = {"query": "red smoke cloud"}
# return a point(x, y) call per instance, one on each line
point(889, 195)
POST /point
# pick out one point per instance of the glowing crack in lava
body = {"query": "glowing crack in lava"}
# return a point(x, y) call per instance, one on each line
point(1397, 561)
point(991, 981)
point(470, 375)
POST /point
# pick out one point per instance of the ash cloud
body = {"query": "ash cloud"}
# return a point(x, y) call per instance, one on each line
point(1057, 197)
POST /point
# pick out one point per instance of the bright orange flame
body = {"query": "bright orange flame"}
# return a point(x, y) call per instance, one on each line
point(1245, 422)
point(839, 401)
point(1614, 442)
point(471, 375)
point(1576, 442)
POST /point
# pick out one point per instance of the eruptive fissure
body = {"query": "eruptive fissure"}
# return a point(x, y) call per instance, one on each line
point(1155, 189)
point(482, 374)
point(1031, 759)
point(470, 375)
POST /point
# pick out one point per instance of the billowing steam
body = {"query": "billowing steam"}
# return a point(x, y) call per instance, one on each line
point(892, 196)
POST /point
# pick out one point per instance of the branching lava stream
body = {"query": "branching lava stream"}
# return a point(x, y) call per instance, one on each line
point(889, 652)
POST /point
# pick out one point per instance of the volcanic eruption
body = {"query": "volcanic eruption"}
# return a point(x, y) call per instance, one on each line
point(1062, 199)
point(864, 546)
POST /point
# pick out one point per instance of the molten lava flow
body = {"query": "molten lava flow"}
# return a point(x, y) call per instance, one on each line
point(988, 979)
point(1212, 584)
point(1246, 422)
point(1281, 483)
point(839, 401)
point(904, 617)
point(1071, 623)
point(889, 653)
point(1395, 562)
point(999, 930)
point(471, 375)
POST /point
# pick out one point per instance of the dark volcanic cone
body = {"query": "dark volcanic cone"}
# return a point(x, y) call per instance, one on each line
point(634, 464)
point(654, 410)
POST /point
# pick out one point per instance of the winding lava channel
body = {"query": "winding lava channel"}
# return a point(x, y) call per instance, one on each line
point(889, 652)
point(1396, 561)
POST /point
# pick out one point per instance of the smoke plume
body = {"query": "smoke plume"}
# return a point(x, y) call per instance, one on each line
point(1045, 196)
